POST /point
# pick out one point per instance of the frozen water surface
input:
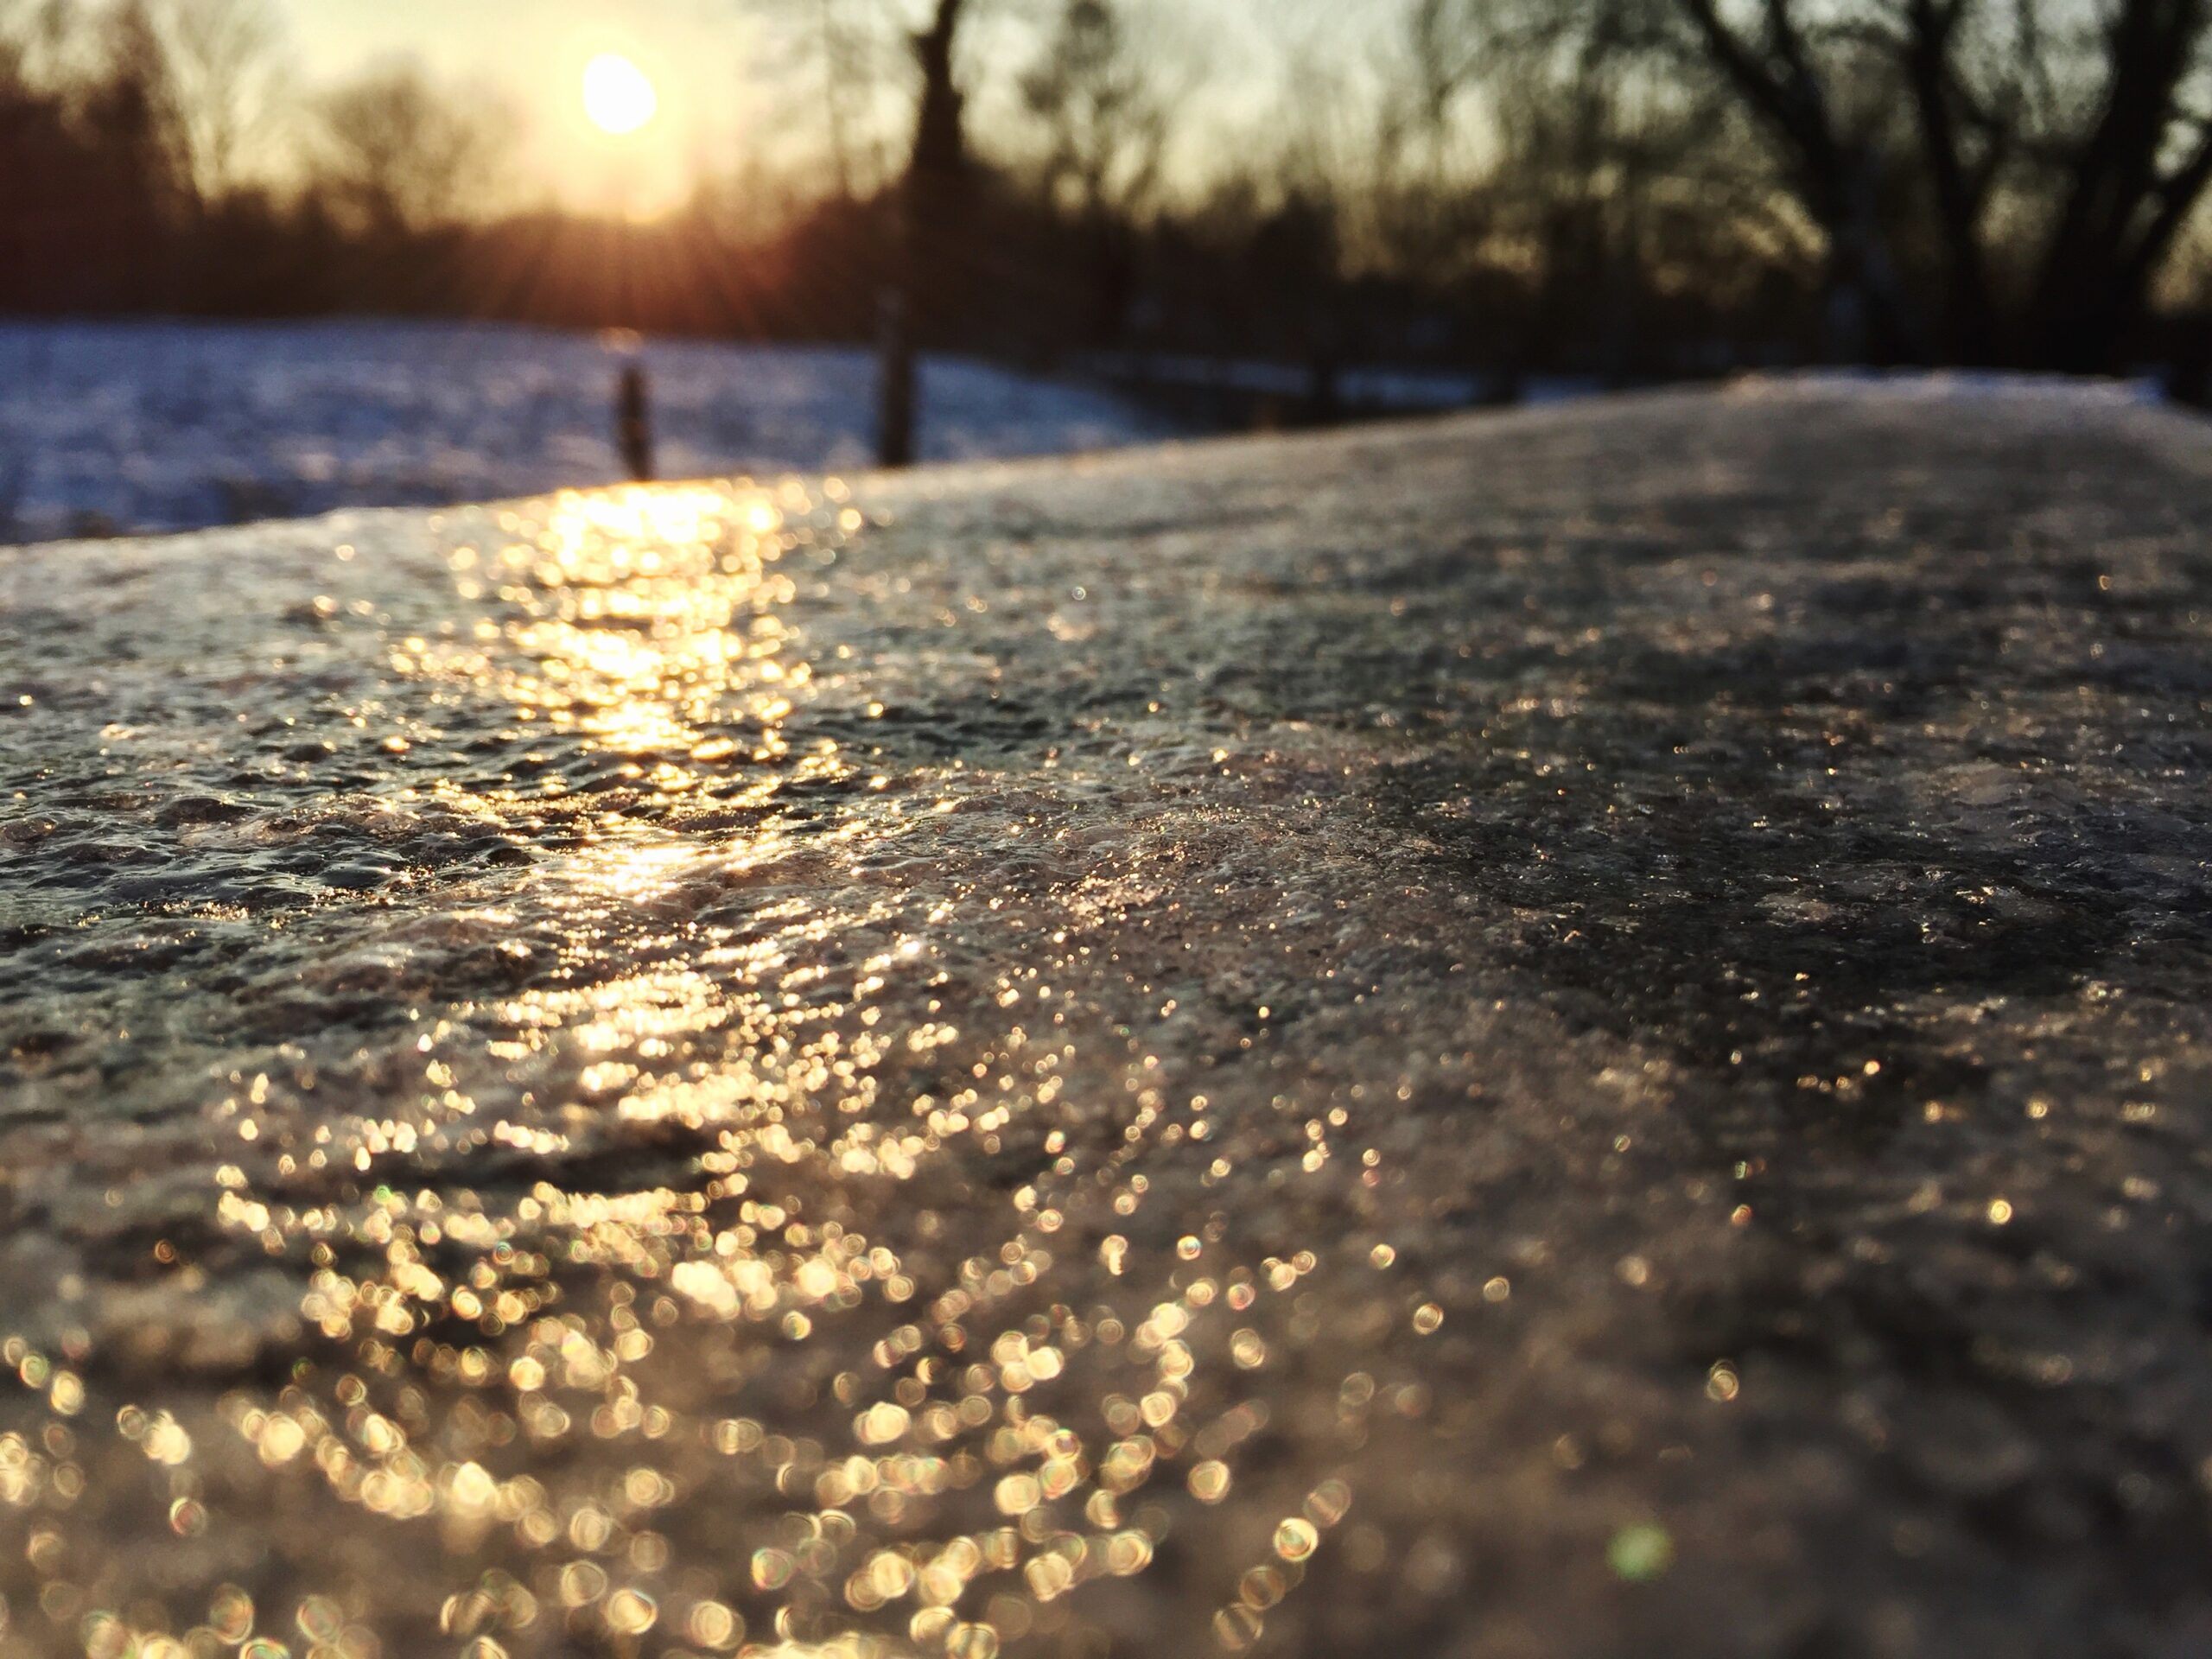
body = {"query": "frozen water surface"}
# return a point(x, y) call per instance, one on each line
point(1581, 1033)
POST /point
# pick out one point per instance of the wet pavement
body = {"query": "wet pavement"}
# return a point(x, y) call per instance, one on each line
point(1574, 1034)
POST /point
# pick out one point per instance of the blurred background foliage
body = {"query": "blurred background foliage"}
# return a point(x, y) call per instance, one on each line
point(1629, 189)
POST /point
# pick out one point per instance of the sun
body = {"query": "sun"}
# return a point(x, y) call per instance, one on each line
point(618, 97)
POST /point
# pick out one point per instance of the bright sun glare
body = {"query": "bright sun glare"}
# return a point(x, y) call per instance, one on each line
point(618, 97)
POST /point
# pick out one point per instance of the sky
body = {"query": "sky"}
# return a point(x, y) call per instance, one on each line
point(731, 77)
point(527, 58)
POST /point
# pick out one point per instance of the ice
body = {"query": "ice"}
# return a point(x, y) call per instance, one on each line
point(1578, 1032)
point(1957, 386)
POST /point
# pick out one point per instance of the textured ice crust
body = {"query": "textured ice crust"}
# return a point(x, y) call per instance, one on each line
point(1578, 1034)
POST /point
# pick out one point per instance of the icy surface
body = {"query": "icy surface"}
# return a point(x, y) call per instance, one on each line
point(1957, 386)
point(148, 427)
point(1581, 1033)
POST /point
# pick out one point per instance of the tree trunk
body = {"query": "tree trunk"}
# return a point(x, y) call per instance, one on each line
point(1968, 324)
point(1834, 180)
point(930, 240)
point(2094, 277)
point(936, 195)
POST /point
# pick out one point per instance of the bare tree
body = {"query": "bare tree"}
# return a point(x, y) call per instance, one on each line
point(36, 36)
point(401, 155)
point(2093, 123)
point(133, 104)
point(1546, 155)
point(844, 82)
point(940, 155)
point(219, 54)
point(858, 43)
point(933, 206)
point(830, 61)
point(1105, 109)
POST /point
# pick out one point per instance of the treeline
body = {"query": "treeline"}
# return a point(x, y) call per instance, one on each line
point(1630, 189)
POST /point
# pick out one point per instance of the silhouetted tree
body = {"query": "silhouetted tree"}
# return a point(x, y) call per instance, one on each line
point(219, 54)
point(1103, 109)
point(400, 155)
point(2084, 125)
point(932, 215)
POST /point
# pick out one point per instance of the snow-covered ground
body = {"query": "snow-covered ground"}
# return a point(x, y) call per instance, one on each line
point(165, 426)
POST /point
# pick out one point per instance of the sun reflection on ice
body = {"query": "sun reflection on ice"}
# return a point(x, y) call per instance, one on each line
point(708, 1284)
